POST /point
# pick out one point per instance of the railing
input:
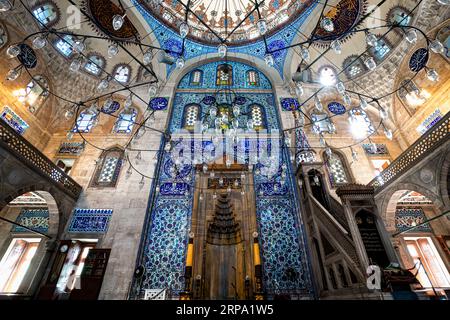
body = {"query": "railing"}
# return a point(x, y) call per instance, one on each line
point(337, 211)
point(31, 156)
point(336, 229)
point(435, 137)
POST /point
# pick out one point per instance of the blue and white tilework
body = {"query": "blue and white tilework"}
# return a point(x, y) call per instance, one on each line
point(90, 220)
point(36, 219)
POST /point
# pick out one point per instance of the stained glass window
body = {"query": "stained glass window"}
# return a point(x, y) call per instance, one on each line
point(126, 121)
point(122, 73)
point(321, 123)
point(14, 121)
point(224, 75)
point(252, 78)
point(108, 168)
point(47, 14)
point(196, 77)
point(337, 171)
point(94, 65)
point(257, 115)
point(36, 91)
point(85, 122)
point(360, 124)
point(191, 115)
point(64, 45)
point(353, 66)
point(380, 50)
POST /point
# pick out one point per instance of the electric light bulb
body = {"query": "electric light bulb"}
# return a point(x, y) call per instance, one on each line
point(388, 133)
point(305, 54)
point(363, 103)
point(340, 87)
point(222, 50)
point(180, 63)
point(411, 36)
point(152, 90)
point(5, 5)
point(269, 60)
point(69, 114)
point(318, 104)
point(370, 63)
point(299, 91)
point(39, 42)
point(371, 39)
point(336, 46)
point(436, 46)
point(432, 75)
point(262, 26)
point(13, 51)
point(147, 58)
point(103, 85)
point(327, 24)
point(184, 30)
point(117, 22)
point(79, 46)
point(12, 75)
point(75, 65)
point(347, 99)
point(113, 50)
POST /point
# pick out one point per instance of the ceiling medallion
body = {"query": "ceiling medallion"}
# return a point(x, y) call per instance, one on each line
point(418, 60)
point(240, 15)
point(103, 12)
point(344, 16)
point(336, 108)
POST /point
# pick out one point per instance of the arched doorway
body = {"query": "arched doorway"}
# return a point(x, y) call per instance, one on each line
point(27, 224)
point(318, 188)
point(421, 244)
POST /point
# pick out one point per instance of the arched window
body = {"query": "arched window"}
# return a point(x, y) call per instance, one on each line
point(126, 121)
point(258, 117)
point(191, 115)
point(122, 73)
point(252, 78)
point(322, 123)
point(108, 168)
point(327, 76)
point(46, 13)
point(399, 16)
point(411, 94)
point(337, 170)
point(380, 50)
point(64, 45)
point(34, 94)
point(224, 75)
point(85, 121)
point(353, 66)
point(3, 36)
point(95, 64)
point(196, 77)
point(360, 124)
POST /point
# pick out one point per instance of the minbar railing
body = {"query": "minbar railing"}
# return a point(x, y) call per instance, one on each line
point(27, 153)
point(432, 139)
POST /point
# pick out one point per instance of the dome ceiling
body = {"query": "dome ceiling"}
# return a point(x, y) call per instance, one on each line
point(223, 16)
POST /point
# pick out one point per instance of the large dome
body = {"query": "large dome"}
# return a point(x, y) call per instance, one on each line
point(233, 20)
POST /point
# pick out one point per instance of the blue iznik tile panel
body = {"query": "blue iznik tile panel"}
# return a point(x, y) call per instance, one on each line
point(284, 253)
point(406, 218)
point(170, 40)
point(90, 220)
point(35, 219)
